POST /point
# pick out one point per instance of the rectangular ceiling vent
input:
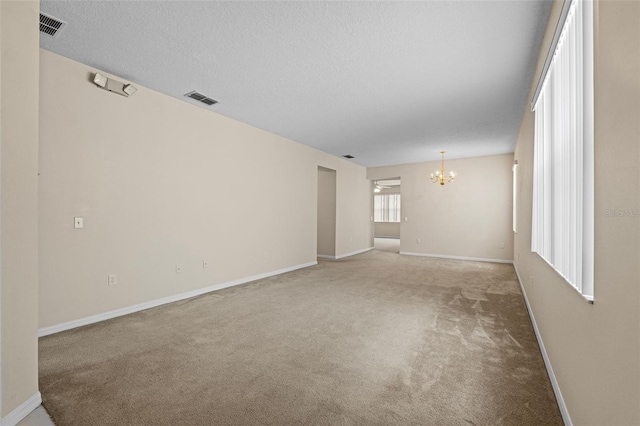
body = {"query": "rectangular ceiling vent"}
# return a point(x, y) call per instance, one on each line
point(348, 156)
point(50, 26)
point(201, 98)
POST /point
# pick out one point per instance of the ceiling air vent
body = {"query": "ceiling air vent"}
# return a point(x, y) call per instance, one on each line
point(201, 98)
point(348, 156)
point(50, 26)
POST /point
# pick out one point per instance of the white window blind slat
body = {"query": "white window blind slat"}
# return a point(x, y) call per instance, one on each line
point(386, 208)
point(562, 216)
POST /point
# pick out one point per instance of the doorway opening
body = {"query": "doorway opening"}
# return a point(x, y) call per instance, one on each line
point(326, 242)
point(387, 214)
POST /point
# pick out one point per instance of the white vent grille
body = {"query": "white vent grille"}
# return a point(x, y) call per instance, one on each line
point(201, 98)
point(50, 26)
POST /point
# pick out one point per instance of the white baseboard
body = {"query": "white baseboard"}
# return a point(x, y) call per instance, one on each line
point(170, 299)
point(341, 256)
point(353, 253)
point(444, 256)
point(23, 410)
point(552, 377)
point(326, 256)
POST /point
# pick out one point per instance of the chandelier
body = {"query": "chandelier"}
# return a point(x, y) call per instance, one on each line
point(440, 177)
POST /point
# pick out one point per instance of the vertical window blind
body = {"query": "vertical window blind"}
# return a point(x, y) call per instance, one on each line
point(562, 220)
point(386, 208)
point(514, 169)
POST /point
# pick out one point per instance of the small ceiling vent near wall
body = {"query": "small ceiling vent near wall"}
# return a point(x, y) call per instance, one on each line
point(50, 26)
point(348, 156)
point(201, 98)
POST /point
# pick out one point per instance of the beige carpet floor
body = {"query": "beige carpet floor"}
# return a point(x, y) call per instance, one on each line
point(374, 339)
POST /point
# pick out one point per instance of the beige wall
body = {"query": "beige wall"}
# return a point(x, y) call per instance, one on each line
point(354, 210)
point(387, 229)
point(162, 183)
point(470, 217)
point(19, 226)
point(326, 212)
point(594, 349)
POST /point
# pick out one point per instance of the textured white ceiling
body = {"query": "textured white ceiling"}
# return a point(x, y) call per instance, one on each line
point(388, 82)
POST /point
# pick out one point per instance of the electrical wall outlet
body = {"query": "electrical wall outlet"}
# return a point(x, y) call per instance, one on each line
point(501, 245)
point(418, 241)
point(112, 280)
point(178, 269)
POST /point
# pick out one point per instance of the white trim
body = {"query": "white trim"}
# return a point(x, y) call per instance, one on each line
point(552, 377)
point(326, 256)
point(340, 256)
point(444, 256)
point(353, 253)
point(23, 410)
point(170, 299)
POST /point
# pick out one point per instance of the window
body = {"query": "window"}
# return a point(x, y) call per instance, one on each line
point(562, 221)
point(515, 197)
point(386, 208)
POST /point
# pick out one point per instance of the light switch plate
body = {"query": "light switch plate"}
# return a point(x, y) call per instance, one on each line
point(78, 222)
